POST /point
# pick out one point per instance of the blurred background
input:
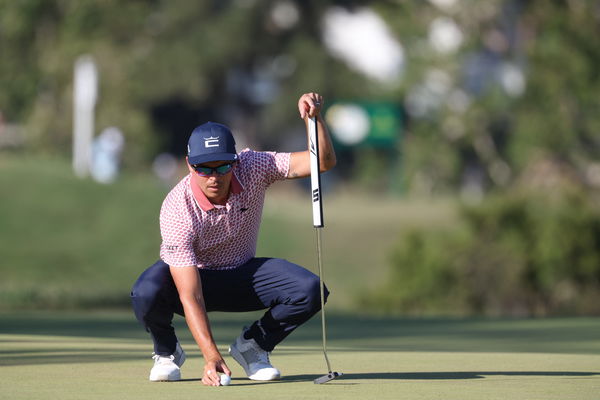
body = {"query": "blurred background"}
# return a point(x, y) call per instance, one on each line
point(467, 134)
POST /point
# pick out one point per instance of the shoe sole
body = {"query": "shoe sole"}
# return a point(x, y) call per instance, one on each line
point(273, 378)
point(165, 378)
point(237, 356)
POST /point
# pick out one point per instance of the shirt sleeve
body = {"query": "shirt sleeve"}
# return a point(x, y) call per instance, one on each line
point(270, 165)
point(176, 249)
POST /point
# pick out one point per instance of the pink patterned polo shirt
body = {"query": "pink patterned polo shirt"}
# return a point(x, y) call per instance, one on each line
point(196, 232)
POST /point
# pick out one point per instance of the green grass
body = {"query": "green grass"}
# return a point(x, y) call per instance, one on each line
point(69, 243)
point(105, 355)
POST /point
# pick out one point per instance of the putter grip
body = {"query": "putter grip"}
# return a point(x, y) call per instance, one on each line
point(315, 176)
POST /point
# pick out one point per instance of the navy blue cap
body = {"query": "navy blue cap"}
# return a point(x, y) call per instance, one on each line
point(211, 142)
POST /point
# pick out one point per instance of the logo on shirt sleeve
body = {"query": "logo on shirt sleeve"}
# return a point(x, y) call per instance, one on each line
point(169, 248)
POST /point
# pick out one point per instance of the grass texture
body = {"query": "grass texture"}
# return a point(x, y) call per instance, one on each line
point(104, 355)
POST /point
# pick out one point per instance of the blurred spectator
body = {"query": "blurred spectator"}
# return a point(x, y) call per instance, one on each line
point(106, 154)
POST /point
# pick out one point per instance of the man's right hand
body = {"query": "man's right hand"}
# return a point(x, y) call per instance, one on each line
point(212, 371)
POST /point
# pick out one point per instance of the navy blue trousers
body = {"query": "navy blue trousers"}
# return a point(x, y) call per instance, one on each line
point(289, 292)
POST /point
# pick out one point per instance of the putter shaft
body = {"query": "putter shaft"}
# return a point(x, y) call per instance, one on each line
point(322, 287)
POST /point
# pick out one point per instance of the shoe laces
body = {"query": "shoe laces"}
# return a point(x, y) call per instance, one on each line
point(258, 355)
point(158, 359)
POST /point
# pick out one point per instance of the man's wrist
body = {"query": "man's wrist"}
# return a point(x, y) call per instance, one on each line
point(211, 354)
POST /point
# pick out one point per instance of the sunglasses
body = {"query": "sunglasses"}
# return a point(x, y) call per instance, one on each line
point(208, 171)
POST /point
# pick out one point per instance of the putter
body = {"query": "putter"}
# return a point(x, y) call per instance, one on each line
point(317, 208)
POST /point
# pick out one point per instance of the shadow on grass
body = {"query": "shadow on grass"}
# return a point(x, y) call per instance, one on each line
point(356, 379)
point(435, 375)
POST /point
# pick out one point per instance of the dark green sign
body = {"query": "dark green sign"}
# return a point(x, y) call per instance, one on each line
point(361, 123)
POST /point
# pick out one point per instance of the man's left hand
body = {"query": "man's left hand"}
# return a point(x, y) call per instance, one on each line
point(310, 105)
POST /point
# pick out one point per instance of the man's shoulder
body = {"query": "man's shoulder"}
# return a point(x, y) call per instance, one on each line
point(250, 156)
point(263, 166)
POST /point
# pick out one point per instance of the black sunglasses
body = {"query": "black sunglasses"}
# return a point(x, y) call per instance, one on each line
point(208, 171)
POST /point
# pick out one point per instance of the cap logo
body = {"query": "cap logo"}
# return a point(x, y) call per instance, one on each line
point(211, 142)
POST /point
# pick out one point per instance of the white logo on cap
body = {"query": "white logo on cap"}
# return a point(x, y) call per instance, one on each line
point(211, 142)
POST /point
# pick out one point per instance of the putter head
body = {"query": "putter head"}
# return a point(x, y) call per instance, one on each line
point(327, 378)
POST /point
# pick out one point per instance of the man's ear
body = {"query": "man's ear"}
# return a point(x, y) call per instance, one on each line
point(187, 162)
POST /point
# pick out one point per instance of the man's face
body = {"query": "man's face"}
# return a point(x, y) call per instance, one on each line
point(214, 186)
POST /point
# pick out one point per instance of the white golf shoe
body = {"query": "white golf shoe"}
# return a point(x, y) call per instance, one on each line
point(167, 368)
point(253, 359)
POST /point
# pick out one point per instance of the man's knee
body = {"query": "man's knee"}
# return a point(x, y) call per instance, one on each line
point(142, 300)
point(147, 288)
point(311, 289)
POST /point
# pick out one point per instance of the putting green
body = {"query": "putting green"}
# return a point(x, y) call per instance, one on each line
point(107, 356)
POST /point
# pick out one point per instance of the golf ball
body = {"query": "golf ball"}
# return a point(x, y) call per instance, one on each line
point(225, 380)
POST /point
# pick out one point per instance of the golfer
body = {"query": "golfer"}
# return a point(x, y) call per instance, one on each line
point(209, 225)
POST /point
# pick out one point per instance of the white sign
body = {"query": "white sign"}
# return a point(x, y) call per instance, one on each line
point(85, 93)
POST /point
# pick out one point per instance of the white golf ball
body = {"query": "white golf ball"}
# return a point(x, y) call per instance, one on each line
point(225, 380)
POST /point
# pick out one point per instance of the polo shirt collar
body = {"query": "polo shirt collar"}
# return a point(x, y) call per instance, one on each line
point(204, 203)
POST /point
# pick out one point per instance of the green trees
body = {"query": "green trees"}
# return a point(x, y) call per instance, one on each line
point(212, 58)
point(486, 85)
point(523, 153)
point(530, 252)
point(523, 87)
point(498, 96)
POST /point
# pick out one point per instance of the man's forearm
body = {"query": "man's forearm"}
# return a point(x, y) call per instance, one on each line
point(327, 158)
point(199, 325)
point(189, 286)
